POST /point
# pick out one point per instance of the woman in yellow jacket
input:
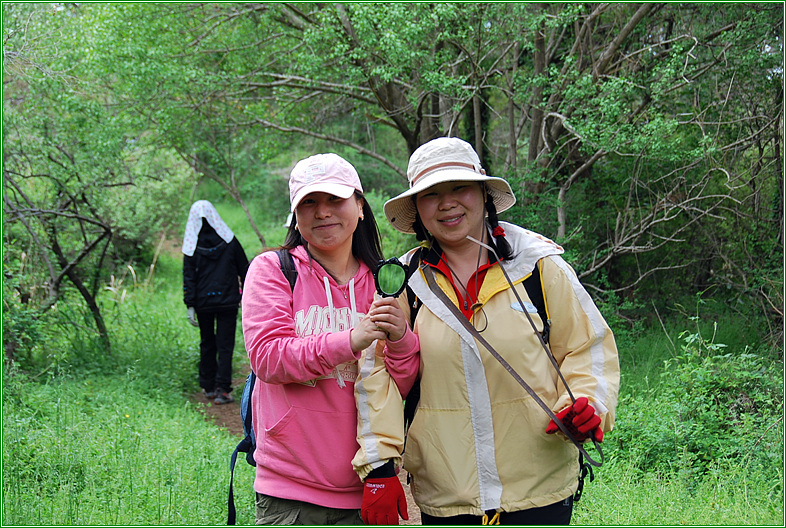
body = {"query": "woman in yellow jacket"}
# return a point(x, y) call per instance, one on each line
point(479, 444)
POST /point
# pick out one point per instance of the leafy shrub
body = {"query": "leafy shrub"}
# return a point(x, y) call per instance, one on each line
point(710, 407)
point(23, 327)
point(57, 339)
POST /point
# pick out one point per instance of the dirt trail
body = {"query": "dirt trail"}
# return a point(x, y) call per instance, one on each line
point(228, 416)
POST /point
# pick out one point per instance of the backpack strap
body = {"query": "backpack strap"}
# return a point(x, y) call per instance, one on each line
point(411, 402)
point(414, 302)
point(247, 445)
point(534, 286)
point(287, 265)
point(231, 511)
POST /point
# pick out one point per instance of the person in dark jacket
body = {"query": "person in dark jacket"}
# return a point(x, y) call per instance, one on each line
point(214, 268)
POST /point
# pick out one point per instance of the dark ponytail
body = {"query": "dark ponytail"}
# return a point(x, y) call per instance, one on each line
point(504, 251)
point(420, 230)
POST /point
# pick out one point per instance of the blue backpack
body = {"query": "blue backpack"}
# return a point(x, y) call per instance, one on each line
point(249, 442)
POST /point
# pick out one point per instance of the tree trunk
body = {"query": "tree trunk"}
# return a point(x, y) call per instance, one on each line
point(478, 132)
point(510, 162)
point(536, 110)
point(95, 310)
point(259, 234)
point(537, 93)
point(777, 203)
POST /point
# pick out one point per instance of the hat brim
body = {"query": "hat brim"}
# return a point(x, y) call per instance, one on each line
point(336, 189)
point(401, 211)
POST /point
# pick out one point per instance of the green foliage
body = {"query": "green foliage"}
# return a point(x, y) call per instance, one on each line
point(143, 212)
point(622, 315)
point(394, 243)
point(23, 327)
point(538, 214)
point(708, 410)
point(84, 192)
point(239, 93)
point(395, 43)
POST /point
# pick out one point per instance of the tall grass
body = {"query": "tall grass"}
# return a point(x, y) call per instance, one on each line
point(106, 451)
point(112, 439)
point(730, 496)
point(108, 439)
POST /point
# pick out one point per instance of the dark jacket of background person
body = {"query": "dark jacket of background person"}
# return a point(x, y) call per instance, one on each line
point(210, 276)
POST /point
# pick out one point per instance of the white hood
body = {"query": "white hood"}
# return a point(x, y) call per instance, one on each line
point(203, 209)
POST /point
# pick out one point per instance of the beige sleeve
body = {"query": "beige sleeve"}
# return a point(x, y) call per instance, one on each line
point(380, 429)
point(581, 341)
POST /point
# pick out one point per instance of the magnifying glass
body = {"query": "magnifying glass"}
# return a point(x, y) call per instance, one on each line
point(390, 277)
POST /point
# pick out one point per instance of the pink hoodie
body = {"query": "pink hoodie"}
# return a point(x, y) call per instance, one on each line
point(305, 411)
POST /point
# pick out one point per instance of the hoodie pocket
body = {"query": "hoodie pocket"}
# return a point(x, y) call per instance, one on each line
point(313, 447)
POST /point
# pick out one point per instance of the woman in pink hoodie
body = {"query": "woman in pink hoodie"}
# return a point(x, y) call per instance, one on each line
point(326, 413)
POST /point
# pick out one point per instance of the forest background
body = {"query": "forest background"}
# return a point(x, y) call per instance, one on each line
point(644, 138)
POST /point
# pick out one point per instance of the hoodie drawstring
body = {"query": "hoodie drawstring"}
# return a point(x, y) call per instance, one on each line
point(333, 319)
point(354, 314)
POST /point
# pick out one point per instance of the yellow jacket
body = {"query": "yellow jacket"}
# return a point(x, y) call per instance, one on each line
point(478, 440)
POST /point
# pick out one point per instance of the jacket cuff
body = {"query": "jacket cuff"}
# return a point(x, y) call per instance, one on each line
point(340, 342)
point(386, 470)
point(404, 346)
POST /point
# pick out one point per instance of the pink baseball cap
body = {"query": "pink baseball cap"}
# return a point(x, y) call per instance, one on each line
point(328, 173)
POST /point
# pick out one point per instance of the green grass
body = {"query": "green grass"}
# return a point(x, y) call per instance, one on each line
point(728, 497)
point(111, 439)
point(91, 438)
point(103, 451)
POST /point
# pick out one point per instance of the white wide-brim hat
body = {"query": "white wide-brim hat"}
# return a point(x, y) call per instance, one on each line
point(443, 160)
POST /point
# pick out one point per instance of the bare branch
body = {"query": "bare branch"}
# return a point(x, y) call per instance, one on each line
point(326, 137)
point(623, 34)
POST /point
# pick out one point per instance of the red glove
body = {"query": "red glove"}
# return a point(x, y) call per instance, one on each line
point(383, 501)
point(580, 419)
